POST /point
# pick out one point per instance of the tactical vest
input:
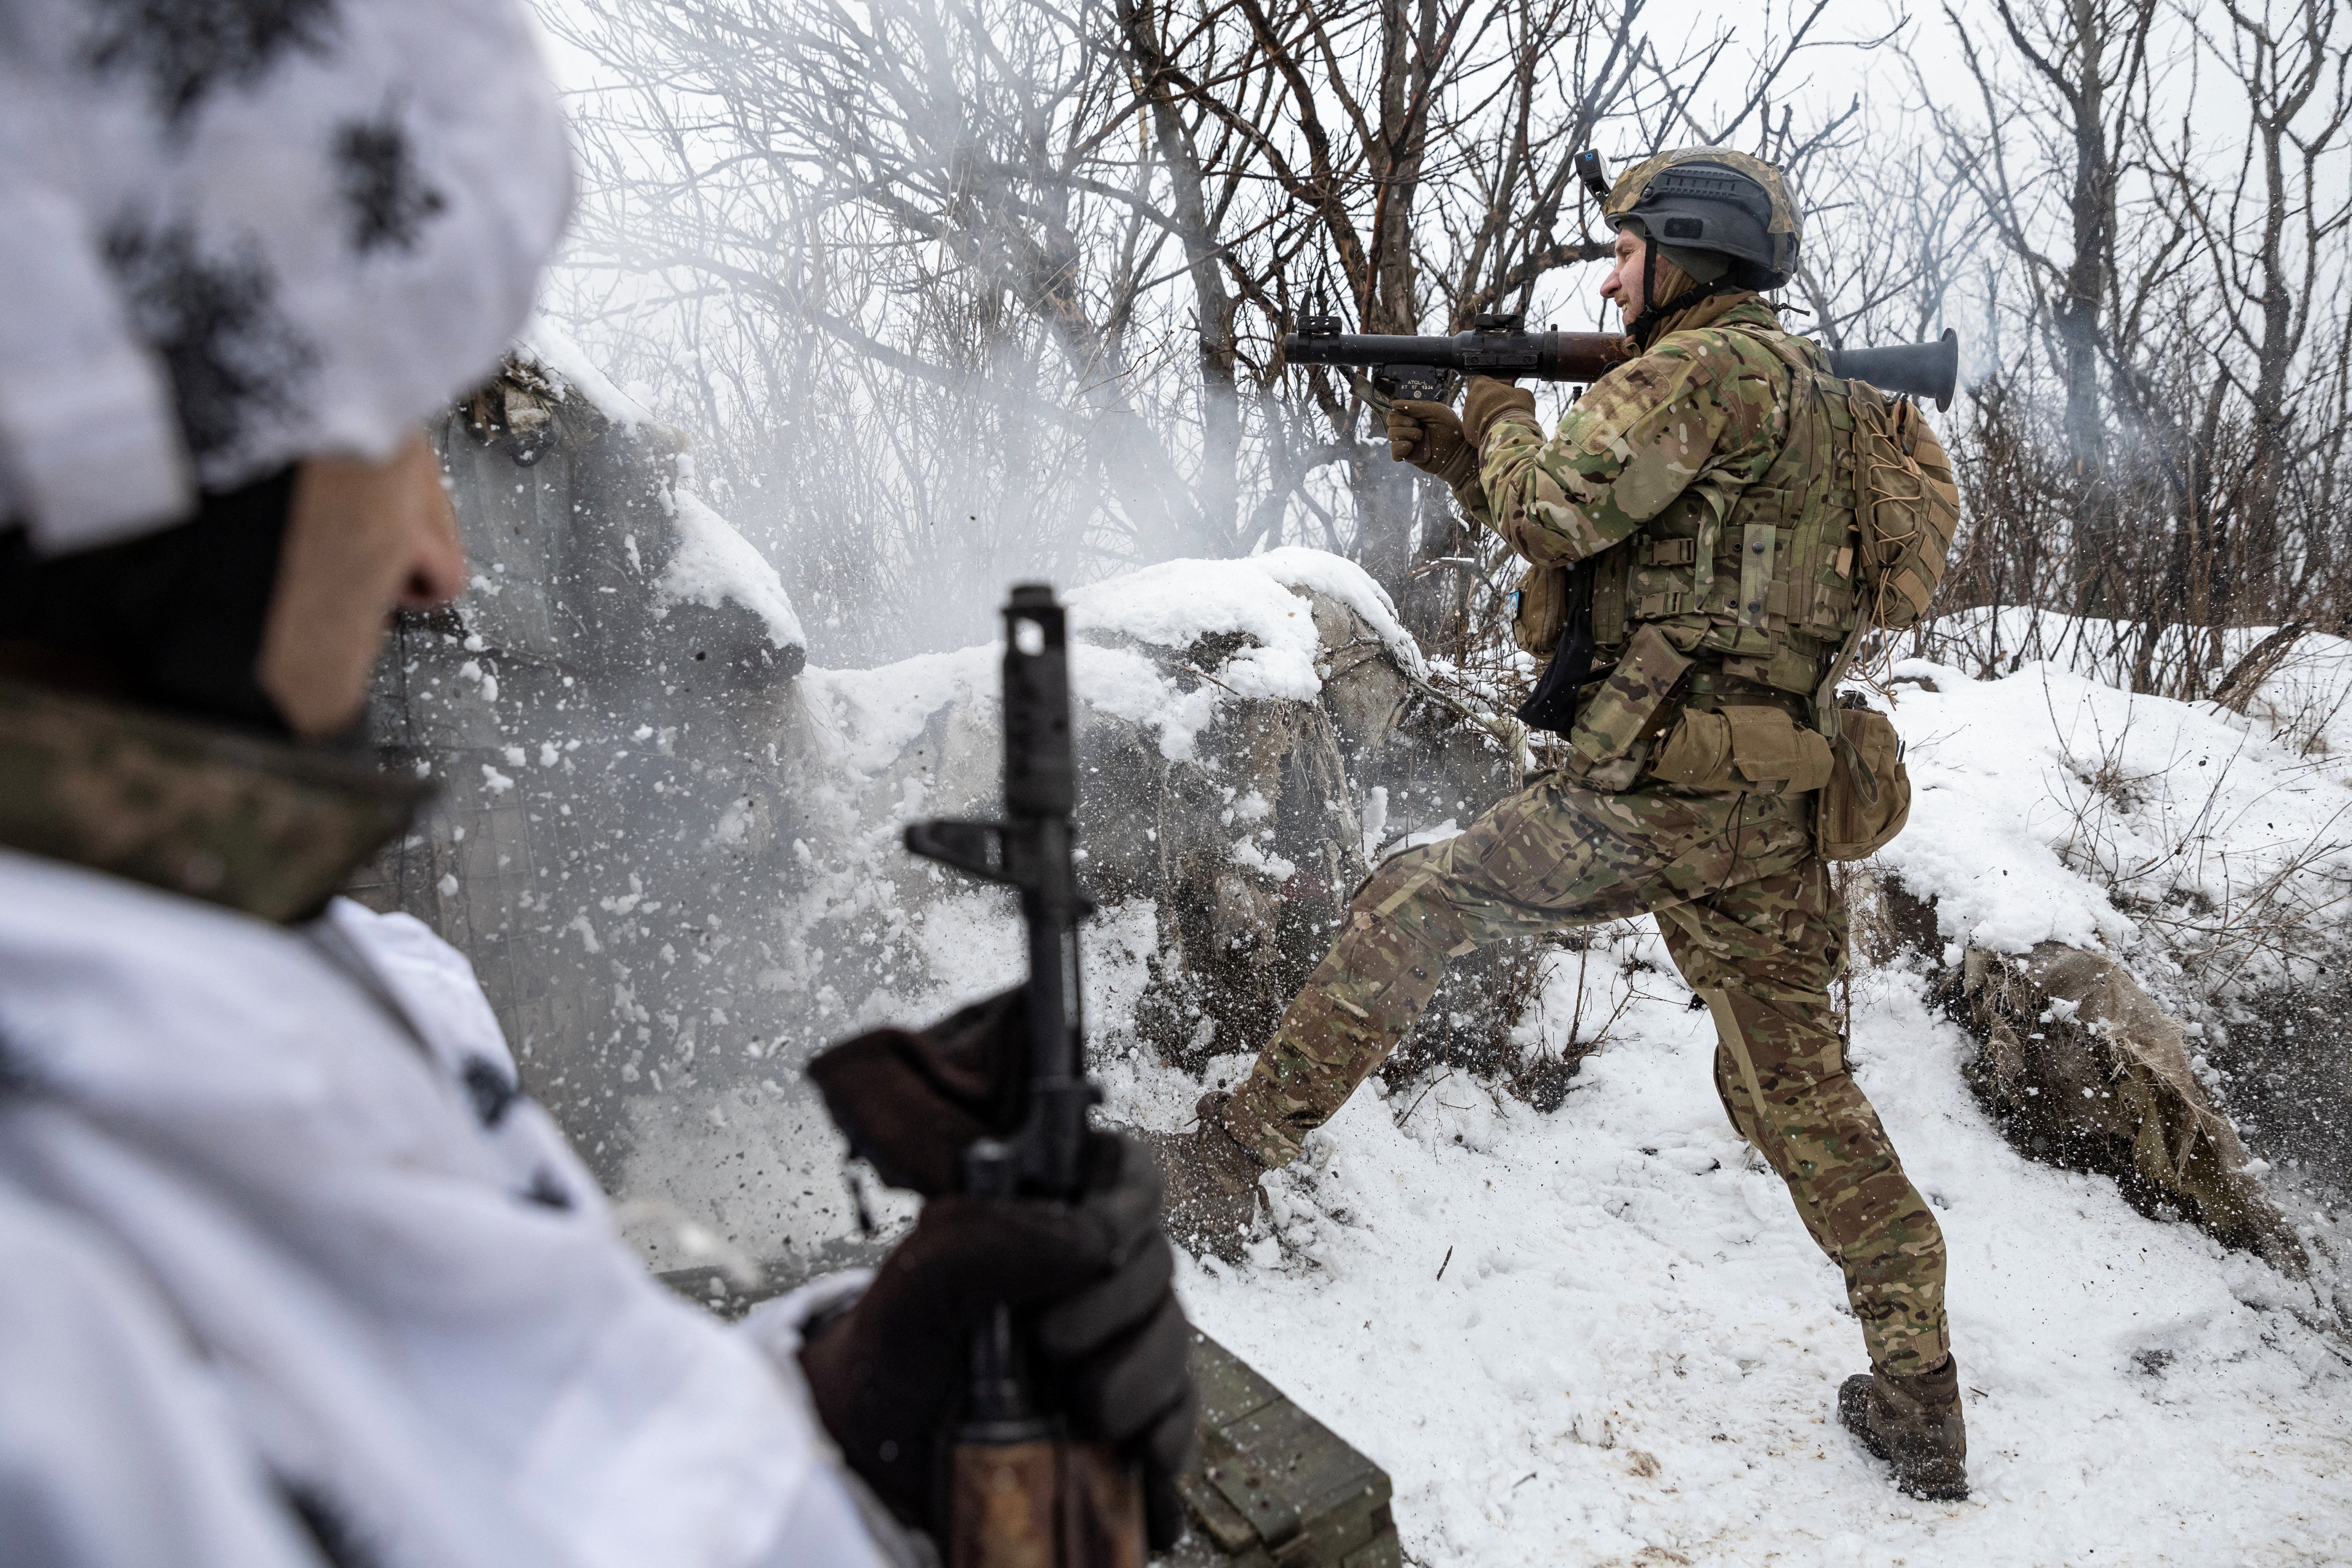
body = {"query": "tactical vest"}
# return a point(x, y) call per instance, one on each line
point(1762, 600)
point(1728, 636)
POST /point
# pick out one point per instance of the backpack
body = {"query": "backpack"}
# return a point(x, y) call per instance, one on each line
point(1906, 509)
point(1906, 505)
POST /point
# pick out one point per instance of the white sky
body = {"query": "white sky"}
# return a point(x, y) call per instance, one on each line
point(2213, 104)
point(1828, 78)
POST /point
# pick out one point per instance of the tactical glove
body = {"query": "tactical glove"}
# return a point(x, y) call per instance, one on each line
point(1090, 1281)
point(911, 1103)
point(1429, 436)
point(1488, 400)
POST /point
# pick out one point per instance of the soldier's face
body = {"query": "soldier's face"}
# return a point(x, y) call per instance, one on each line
point(363, 539)
point(1624, 283)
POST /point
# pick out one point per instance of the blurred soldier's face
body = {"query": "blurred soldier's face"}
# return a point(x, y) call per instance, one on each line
point(1624, 283)
point(363, 539)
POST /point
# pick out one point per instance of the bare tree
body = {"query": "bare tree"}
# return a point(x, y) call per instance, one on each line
point(1101, 219)
point(2272, 235)
point(2057, 84)
point(2186, 303)
point(1000, 285)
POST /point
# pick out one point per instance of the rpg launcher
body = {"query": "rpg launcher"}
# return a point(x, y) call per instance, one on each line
point(1430, 368)
point(1026, 1495)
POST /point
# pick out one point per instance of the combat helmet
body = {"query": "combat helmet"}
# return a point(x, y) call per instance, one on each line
point(1727, 218)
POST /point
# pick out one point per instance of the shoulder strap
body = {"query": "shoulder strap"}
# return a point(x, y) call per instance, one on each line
point(1710, 528)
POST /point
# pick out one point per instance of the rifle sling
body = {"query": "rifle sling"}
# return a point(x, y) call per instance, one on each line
point(1552, 704)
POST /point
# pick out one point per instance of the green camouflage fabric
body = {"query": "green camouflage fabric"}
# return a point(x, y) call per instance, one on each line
point(1749, 918)
point(1689, 426)
point(1614, 722)
point(257, 826)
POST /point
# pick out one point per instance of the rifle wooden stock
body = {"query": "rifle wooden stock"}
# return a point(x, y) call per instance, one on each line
point(1045, 1504)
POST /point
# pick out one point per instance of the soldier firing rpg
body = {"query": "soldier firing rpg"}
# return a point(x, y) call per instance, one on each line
point(1713, 527)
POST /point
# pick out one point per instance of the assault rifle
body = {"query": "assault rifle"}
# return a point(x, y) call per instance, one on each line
point(1497, 345)
point(1024, 1495)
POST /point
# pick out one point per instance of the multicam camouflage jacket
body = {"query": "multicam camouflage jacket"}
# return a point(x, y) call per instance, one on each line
point(1711, 482)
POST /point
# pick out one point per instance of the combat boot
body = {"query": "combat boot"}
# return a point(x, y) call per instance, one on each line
point(1209, 1200)
point(1912, 1420)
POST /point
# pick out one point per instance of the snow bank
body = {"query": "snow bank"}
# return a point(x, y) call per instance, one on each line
point(1178, 602)
point(1603, 1336)
point(713, 564)
point(2306, 696)
point(544, 345)
point(1170, 606)
point(2034, 796)
point(1320, 571)
point(875, 714)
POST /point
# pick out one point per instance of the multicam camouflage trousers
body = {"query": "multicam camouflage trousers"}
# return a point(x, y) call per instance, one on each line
point(1749, 917)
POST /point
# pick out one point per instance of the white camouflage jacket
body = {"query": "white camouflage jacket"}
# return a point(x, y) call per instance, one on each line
point(280, 1240)
point(234, 233)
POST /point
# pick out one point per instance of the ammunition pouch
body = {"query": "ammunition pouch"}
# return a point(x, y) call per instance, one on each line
point(1750, 747)
point(1539, 609)
point(1617, 725)
point(1868, 796)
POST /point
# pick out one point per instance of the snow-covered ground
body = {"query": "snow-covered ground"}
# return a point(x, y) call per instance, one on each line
point(1601, 1335)
point(2038, 798)
point(1633, 1353)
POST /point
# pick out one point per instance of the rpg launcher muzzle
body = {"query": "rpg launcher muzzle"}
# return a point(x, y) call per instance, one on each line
point(1429, 367)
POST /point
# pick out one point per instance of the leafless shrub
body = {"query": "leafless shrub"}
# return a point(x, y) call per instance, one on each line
point(1544, 1074)
point(2160, 454)
point(957, 288)
point(2224, 904)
